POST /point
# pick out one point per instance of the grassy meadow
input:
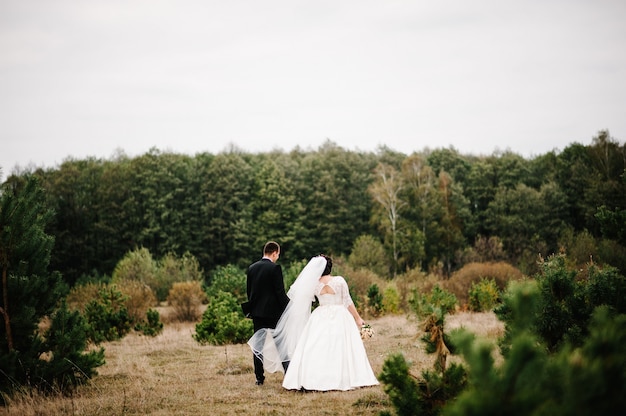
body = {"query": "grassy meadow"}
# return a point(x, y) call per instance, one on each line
point(172, 374)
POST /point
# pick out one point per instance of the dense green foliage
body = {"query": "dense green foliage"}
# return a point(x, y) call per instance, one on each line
point(107, 316)
point(562, 353)
point(483, 295)
point(431, 210)
point(64, 344)
point(559, 304)
point(583, 380)
point(50, 357)
point(223, 322)
point(439, 302)
point(152, 326)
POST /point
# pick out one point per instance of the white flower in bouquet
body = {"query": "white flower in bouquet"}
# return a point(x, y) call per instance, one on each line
point(366, 331)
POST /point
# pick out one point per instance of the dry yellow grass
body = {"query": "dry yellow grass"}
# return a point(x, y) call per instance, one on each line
point(171, 374)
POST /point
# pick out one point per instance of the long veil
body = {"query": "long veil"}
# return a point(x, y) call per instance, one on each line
point(276, 346)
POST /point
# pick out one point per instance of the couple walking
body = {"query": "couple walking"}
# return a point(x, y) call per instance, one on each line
point(320, 350)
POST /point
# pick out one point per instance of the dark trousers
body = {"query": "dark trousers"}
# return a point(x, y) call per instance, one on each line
point(258, 361)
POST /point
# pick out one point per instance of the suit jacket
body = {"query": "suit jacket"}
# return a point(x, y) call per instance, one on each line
point(266, 290)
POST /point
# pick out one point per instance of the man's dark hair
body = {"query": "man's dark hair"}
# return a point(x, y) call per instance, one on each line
point(271, 247)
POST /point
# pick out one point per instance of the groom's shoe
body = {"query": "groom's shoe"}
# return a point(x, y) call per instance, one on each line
point(259, 382)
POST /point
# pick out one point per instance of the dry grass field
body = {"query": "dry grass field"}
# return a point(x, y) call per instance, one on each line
point(172, 374)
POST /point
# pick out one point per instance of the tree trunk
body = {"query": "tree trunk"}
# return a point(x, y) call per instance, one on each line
point(5, 309)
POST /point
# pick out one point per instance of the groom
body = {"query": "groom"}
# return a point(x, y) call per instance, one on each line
point(267, 298)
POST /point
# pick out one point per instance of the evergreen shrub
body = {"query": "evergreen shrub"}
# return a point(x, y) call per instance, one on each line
point(483, 295)
point(43, 344)
point(223, 322)
point(438, 301)
point(584, 379)
point(230, 279)
point(152, 326)
point(565, 301)
point(374, 300)
point(67, 364)
point(107, 316)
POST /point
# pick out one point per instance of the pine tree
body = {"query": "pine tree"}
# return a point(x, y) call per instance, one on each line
point(29, 293)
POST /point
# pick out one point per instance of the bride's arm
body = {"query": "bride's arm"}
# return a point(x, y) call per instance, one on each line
point(357, 318)
point(350, 304)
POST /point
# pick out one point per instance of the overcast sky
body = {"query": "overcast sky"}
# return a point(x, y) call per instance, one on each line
point(89, 77)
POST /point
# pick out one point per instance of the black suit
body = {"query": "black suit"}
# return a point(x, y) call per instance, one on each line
point(267, 299)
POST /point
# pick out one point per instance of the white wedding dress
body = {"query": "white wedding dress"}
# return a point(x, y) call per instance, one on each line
point(330, 354)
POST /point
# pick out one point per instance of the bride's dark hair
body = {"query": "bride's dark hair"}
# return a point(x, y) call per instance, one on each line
point(329, 265)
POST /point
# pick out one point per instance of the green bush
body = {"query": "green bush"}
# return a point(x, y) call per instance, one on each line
point(64, 343)
point(107, 316)
point(291, 272)
point(391, 299)
point(139, 266)
point(152, 326)
point(438, 301)
point(374, 300)
point(484, 295)
point(229, 279)
point(401, 388)
point(590, 370)
point(428, 394)
point(369, 253)
point(591, 377)
point(172, 269)
point(136, 265)
point(223, 322)
point(565, 302)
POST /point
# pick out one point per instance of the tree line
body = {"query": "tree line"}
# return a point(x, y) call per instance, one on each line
point(435, 210)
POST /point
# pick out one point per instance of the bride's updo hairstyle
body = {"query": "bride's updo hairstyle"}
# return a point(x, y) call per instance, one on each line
point(329, 265)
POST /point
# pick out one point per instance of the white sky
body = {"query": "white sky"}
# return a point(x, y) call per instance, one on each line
point(89, 77)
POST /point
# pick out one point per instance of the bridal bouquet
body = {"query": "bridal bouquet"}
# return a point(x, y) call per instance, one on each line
point(366, 331)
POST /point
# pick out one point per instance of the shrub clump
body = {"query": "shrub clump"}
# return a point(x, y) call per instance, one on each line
point(159, 275)
point(438, 301)
point(152, 326)
point(223, 322)
point(229, 279)
point(374, 301)
point(139, 297)
point(461, 281)
point(391, 299)
point(112, 310)
point(185, 298)
point(107, 316)
point(483, 296)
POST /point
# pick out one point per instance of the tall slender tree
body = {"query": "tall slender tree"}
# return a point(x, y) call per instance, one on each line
point(386, 191)
point(24, 246)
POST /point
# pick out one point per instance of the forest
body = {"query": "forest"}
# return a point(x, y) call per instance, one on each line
point(95, 249)
point(434, 210)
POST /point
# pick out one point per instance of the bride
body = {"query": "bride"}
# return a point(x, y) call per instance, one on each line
point(322, 350)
